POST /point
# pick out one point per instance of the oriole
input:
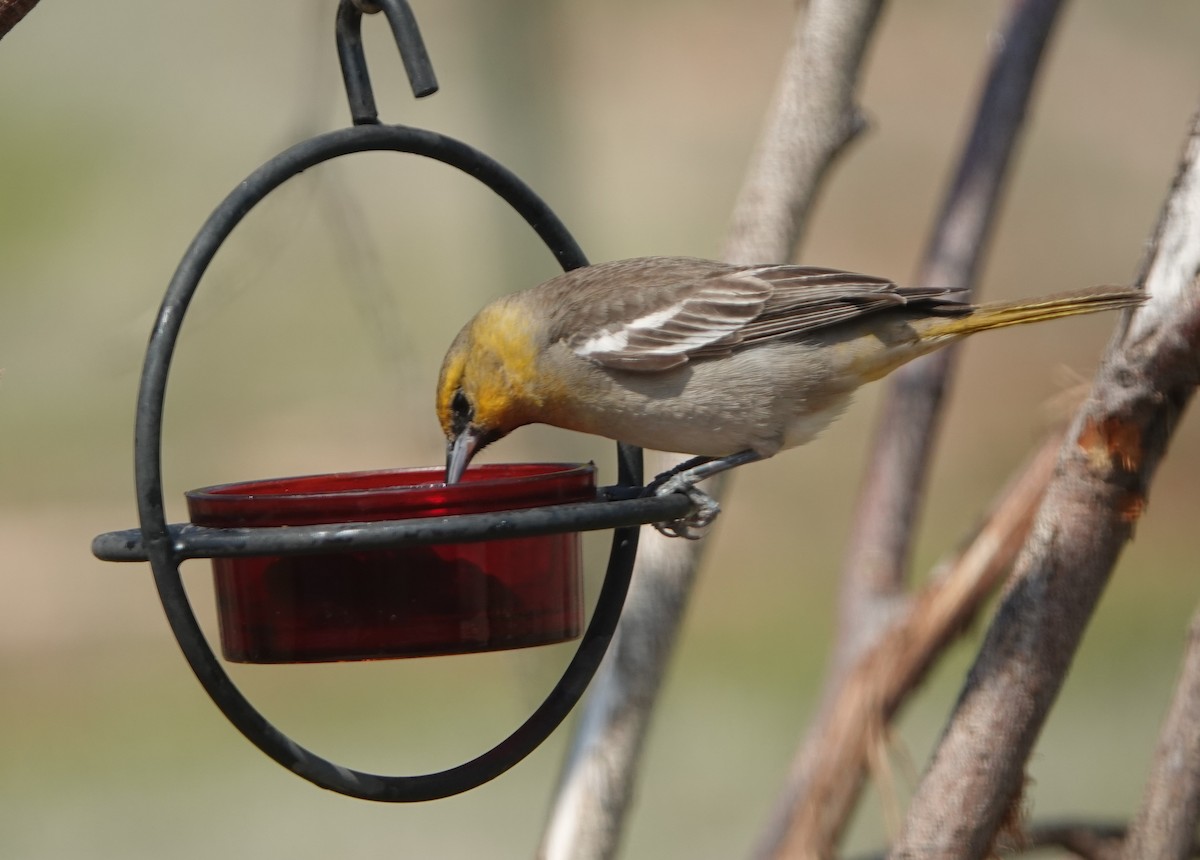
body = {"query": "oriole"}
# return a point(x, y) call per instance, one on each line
point(730, 363)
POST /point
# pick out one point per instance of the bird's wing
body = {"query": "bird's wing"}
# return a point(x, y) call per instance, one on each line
point(806, 298)
point(664, 325)
point(715, 314)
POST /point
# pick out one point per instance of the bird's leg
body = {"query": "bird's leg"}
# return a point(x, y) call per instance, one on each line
point(683, 479)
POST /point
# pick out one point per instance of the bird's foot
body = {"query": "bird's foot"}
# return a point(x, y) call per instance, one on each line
point(694, 525)
point(683, 479)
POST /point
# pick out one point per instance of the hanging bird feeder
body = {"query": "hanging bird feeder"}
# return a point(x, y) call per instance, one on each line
point(370, 565)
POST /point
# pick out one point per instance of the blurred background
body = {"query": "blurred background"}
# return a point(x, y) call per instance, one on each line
point(315, 340)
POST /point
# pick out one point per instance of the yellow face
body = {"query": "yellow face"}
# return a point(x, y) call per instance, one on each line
point(489, 381)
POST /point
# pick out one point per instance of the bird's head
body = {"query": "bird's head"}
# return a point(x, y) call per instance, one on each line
point(489, 384)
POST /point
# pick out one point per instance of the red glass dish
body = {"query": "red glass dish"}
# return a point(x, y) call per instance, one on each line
point(406, 602)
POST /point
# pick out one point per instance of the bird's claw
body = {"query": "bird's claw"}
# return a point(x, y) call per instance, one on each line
point(694, 525)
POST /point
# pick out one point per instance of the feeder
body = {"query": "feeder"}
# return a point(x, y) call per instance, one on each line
point(421, 568)
point(419, 601)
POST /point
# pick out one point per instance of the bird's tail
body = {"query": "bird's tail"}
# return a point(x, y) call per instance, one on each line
point(1000, 314)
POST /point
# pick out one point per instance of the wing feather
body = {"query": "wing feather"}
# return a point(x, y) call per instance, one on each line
point(703, 315)
point(660, 318)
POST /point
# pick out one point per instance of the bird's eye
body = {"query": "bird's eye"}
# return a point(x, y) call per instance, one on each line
point(461, 412)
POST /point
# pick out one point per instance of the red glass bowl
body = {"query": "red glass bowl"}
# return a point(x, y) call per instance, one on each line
point(407, 602)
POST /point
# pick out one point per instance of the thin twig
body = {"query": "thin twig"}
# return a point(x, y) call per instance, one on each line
point(1090, 840)
point(1086, 839)
point(1166, 825)
point(1104, 471)
point(881, 680)
point(812, 117)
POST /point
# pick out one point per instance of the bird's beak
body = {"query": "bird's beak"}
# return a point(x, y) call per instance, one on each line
point(459, 453)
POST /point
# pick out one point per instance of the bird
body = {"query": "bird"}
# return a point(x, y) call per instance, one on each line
point(728, 363)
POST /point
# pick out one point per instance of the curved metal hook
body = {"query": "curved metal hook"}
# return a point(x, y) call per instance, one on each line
point(354, 62)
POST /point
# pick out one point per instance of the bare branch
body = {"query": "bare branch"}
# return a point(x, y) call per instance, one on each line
point(1166, 825)
point(876, 561)
point(1090, 840)
point(1087, 839)
point(812, 117)
point(596, 785)
point(873, 571)
point(881, 679)
point(11, 13)
point(1104, 471)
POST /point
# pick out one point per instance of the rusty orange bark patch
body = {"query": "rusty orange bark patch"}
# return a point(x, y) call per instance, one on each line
point(1112, 441)
point(1131, 507)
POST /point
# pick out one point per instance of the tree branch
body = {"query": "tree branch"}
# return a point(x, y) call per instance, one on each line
point(874, 568)
point(1104, 471)
point(811, 119)
point(1090, 840)
point(11, 13)
point(1087, 839)
point(1166, 825)
point(880, 681)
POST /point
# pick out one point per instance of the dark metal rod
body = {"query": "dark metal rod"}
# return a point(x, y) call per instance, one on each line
point(354, 62)
point(192, 541)
point(412, 47)
point(354, 65)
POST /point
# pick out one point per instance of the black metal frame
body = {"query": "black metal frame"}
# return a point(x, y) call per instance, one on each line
point(622, 507)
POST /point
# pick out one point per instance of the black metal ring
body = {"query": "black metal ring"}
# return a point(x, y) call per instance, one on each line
point(160, 543)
